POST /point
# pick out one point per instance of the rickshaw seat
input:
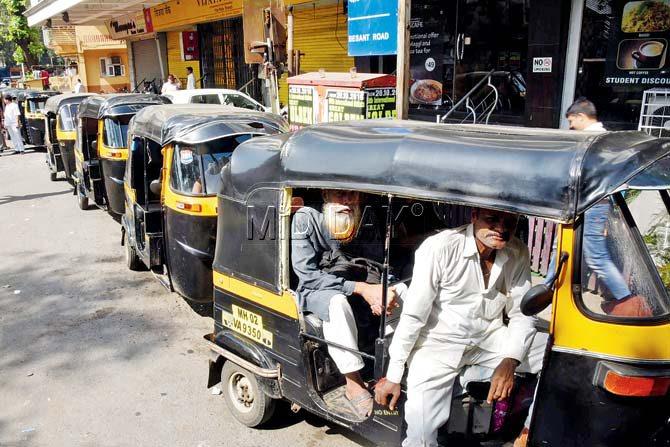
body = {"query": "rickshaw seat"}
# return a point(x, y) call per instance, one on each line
point(313, 324)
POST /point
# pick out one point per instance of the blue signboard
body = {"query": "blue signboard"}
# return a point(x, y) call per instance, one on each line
point(373, 27)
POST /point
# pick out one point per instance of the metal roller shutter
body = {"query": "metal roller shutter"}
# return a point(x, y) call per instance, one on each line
point(320, 33)
point(145, 59)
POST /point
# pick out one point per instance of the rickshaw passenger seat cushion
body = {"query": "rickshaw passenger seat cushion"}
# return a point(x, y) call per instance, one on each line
point(313, 324)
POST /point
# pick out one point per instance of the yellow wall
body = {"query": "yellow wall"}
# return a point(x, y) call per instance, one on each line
point(91, 77)
point(176, 65)
point(314, 34)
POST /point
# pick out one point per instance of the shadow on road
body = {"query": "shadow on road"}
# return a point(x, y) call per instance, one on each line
point(4, 200)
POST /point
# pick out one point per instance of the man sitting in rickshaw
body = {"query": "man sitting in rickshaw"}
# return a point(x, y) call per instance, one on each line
point(464, 280)
point(321, 245)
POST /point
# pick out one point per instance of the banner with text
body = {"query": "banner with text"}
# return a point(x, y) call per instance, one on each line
point(373, 27)
point(425, 56)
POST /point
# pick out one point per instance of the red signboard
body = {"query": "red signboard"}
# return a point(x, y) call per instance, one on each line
point(148, 24)
point(190, 45)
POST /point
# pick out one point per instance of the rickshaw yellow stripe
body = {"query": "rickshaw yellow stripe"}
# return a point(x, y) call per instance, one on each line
point(176, 202)
point(112, 153)
point(130, 193)
point(283, 304)
point(574, 330)
point(63, 135)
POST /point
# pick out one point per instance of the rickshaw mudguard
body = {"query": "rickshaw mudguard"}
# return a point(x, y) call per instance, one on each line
point(113, 172)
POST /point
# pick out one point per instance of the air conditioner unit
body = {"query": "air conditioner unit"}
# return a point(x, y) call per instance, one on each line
point(655, 113)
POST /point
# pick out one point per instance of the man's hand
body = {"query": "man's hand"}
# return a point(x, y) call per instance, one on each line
point(385, 388)
point(502, 381)
point(372, 294)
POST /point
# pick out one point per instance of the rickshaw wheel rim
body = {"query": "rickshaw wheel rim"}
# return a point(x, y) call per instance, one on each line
point(241, 392)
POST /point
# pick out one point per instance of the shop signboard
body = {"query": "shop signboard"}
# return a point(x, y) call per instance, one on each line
point(373, 27)
point(128, 26)
point(380, 103)
point(190, 46)
point(301, 106)
point(425, 56)
point(638, 51)
point(344, 105)
point(175, 13)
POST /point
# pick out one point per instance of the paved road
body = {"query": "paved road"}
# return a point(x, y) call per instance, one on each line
point(92, 354)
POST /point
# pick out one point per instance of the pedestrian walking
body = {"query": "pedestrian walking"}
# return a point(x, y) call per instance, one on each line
point(12, 124)
point(190, 79)
point(78, 87)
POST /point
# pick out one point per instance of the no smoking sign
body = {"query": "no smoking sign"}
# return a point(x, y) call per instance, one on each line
point(542, 64)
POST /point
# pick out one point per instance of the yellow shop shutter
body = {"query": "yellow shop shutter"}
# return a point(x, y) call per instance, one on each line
point(320, 33)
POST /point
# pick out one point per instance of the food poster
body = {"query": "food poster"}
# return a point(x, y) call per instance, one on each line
point(380, 103)
point(344, 105)
point(301, 106)
point(426, 56)
point(638, 52)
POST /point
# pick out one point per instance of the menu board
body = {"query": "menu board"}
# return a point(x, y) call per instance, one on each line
point(301, 109)
point(380, 103)
point(425, 55)
point(344, 105)
point(638, 51)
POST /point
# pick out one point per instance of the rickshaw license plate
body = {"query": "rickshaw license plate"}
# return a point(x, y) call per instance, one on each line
point(247, 323)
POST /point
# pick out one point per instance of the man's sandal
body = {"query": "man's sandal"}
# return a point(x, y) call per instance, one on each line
point(362, 404)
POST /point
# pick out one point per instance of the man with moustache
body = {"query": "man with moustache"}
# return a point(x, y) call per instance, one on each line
point(464, 279)
point(315, 237)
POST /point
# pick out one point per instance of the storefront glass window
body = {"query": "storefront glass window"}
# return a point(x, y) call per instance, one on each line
point(623, 52)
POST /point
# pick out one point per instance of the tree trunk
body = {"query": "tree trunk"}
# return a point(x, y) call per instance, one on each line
point(30, 59)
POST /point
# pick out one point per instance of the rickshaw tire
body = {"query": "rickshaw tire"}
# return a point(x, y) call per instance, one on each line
point(82, 201)
point(53, 176)
point(262, 407)
point(133, 261)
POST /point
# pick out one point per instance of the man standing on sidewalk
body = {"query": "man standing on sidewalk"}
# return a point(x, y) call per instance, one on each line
point(12, 115)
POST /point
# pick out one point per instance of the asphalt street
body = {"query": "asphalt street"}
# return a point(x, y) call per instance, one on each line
point(92, 354)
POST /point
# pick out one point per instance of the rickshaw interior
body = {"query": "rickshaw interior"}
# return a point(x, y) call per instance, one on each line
point(115, 131)
point(67, 117)
point(642, 259)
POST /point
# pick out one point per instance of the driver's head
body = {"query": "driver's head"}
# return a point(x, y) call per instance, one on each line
point(342, 213)
point(581, 114)
point(493, 228)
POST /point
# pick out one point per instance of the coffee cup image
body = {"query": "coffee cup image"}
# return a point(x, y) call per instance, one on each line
point(650, 54)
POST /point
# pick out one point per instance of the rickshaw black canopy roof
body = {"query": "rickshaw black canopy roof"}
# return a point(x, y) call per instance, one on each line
point(100, 106)
point(192, 124)
point(55, 102)
point(22, 95)
point(547, 173)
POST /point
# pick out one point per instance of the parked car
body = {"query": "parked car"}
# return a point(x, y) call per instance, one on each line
point(216, 96)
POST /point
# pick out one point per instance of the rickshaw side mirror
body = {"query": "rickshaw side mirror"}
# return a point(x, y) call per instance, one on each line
point(155, 187)
point(539, 297)
point(536, 299)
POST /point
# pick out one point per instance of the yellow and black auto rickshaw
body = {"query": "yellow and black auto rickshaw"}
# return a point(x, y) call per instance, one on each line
point(606, 375)
point(60, 121)
point(171, 181)
point(31, 103)
point(101, 150)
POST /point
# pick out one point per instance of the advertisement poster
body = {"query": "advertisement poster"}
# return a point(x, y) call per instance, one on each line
point(425, 57)
point(190, 46)
point(638, 53)
point(344, 105)
point(301, 109)
point(373, 27)
point(380, 103)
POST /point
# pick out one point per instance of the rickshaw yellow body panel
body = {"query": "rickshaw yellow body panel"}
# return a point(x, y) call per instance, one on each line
point(575, 332)
point(62, 135)
point(203, 206)
point(281, 303)
point(111, 153)
point(130, 192)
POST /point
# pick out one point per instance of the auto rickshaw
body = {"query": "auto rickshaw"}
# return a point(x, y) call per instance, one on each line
point(171, 181)
point(605, 378)
point(31, 104)
point(60, 121)
point(101, 151)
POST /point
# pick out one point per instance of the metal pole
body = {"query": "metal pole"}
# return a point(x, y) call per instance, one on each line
point(571, 58)
point(402, 67)
point(160, 58)
point(289, 41)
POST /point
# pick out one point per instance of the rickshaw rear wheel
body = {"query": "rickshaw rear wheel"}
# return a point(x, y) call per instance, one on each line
point(133, 261)
point(82, 201)
point(244, 397)
point(53, 176)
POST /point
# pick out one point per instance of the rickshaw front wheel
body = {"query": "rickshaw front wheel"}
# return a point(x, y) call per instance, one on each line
point(82, 201)
point(244, 397)
point(133, 261)
point(53, 176)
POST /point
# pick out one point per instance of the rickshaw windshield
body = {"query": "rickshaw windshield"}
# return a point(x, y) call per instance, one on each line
point(116, 131)
point(625, 258)
point(196, 169)
point(68, 117)
point(35, 106)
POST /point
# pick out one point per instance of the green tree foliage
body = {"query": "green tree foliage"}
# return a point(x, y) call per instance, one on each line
point(28, 40)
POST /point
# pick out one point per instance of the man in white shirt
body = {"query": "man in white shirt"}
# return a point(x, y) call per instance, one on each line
point(78, 87)
point(582, 115)
point(452, 318)
point(190, 79)
point(11, 117)
point(171, 85)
